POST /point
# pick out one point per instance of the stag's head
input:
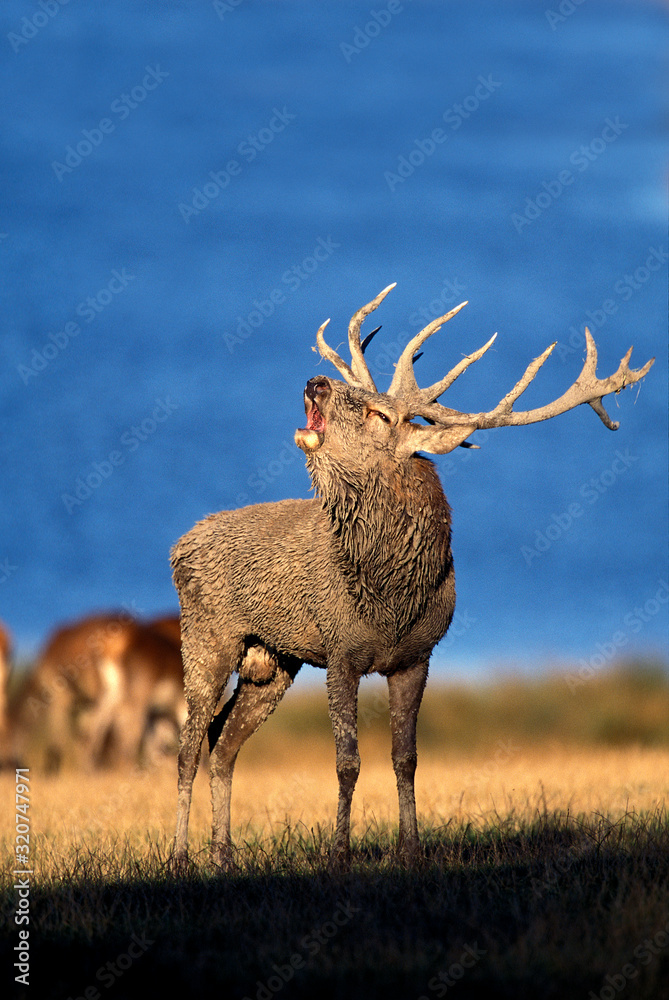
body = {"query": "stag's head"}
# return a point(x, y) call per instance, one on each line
point(352, 423)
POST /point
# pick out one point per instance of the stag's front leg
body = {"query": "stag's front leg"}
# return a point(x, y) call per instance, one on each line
point(405, 690)
point(342, 688)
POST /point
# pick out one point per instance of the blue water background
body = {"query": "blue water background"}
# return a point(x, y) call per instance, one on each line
point(336, 102)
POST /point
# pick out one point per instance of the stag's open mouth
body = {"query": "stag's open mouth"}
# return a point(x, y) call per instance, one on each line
point(311, 437)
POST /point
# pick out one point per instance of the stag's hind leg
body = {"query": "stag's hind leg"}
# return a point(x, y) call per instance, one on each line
point(405, 691)
point(263, 681)
point(205, 675)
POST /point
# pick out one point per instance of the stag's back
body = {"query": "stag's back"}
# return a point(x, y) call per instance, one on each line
point(258, 572)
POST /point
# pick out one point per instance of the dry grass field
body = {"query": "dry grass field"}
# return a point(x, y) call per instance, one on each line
point(545, 867)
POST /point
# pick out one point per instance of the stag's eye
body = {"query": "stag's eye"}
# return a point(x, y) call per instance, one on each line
point(378, 413)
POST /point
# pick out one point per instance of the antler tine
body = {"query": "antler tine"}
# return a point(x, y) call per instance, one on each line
point(357, 373)
point(433, 392)
point(590, 369)
point(590, 363)
point(506, 404)
point(404, 381)
point(368, 339)
point(625, 375)
point(358, 363)
point(328, 354)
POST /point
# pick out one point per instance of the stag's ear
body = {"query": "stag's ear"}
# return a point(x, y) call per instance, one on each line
point(435, 440)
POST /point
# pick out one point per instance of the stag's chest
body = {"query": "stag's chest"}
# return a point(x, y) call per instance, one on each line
point(397, 574)
point(387, 627)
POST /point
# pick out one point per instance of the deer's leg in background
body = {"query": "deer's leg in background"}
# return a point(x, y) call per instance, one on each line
point(52, 709)
point(342, 688)
point(240, 717)
point(130, 726)
point(405, 692)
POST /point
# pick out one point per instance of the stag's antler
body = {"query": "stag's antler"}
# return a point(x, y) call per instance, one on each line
point(423, 402)
point(358, 373)
point(586, 389)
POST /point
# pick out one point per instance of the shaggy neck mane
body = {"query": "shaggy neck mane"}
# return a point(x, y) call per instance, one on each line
point(393, 529)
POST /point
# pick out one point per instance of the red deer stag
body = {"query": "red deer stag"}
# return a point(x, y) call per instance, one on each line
point(357, 580)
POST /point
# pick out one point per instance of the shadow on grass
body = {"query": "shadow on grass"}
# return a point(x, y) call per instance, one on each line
point(548, 908)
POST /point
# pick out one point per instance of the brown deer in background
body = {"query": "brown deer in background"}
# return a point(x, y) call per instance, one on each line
point(358, 580)
point(105, 690)
point(5, 670)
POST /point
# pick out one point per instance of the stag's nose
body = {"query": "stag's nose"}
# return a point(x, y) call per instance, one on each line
point(316, 387)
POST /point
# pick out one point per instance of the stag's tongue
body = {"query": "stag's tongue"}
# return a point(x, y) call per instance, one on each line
point(310, 438)
point(315, 420)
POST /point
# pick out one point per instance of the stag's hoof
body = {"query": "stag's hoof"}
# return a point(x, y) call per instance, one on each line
point(408, 851)
point(408, 857)
point(178, 863)
point(223, 858)
point(340, 860)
